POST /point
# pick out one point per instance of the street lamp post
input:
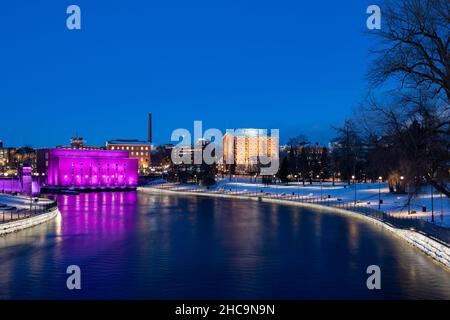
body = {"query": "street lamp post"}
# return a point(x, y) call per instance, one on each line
point(354, 182)
point(321, 188)
point(379, 192)
point(409, 200)
point(432, 203)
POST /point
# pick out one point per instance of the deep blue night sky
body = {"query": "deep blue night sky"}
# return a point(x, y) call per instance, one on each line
point(295, 65)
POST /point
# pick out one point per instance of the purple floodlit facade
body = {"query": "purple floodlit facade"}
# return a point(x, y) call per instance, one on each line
point(17, 185)
point(92, 169)
point(24, 183)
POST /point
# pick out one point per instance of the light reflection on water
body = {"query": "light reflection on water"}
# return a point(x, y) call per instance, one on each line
point(131, 245)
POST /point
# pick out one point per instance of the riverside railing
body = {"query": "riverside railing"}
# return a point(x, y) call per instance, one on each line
point(11, 213)
point(431, 230)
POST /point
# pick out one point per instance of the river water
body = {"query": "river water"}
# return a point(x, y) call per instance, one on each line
point(130, 245)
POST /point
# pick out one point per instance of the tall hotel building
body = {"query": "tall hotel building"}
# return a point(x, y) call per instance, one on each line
point(245, 147)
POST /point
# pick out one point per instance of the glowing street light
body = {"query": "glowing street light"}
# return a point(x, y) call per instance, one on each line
point(354, 182)
point(409, 197)
point(380, 178)
point(321, 188)
point(432, 203)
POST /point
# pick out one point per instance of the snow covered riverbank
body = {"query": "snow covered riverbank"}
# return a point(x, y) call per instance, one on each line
point(21, 201)
point(366, 193)
point(15, 213)
point(18, 208)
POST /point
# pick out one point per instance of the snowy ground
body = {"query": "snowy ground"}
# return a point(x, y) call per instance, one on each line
point(8, 201)
point(20, 201)
point(366, 193)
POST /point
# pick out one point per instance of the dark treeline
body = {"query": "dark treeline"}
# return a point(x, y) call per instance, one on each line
point(303, 161)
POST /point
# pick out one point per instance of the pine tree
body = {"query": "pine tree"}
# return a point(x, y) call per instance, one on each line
point(284, 170)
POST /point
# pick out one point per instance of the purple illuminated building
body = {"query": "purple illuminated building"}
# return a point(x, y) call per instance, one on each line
point(24, 183)
point(87, 169)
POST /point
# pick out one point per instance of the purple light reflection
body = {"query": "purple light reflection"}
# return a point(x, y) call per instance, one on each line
point(103, 215)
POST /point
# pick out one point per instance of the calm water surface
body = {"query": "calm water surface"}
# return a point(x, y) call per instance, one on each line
point(131, 245)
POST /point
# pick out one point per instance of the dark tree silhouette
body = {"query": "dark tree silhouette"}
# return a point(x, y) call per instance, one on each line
point(414, 51)
point(347, 149)
point(414, 48)
point(284, 170)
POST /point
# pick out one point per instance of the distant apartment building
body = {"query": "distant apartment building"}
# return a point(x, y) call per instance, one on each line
point(12, 159)
point(244, 148)
point(20, 156)
point(308, 161)
point(189, 165)
point(4, 157)
point(138, 149)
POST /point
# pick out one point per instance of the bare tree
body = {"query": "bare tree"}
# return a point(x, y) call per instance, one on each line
point(415, 119)
point(414, 140)
point(347, 149)
point(414, 47)
point(298, 141)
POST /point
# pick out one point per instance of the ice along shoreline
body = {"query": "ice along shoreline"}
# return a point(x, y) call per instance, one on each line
point(18, 225)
